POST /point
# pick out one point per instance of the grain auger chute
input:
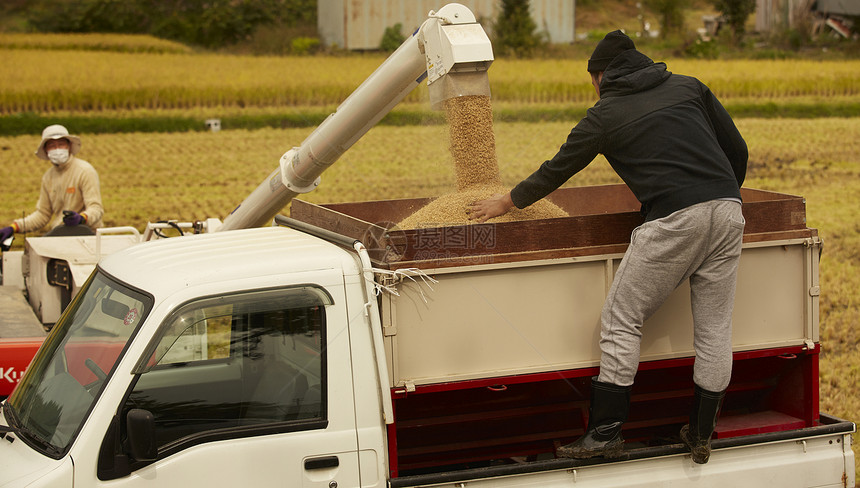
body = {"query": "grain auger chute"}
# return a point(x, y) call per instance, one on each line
point(450, 49)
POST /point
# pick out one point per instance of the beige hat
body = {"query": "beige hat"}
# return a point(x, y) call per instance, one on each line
point(56, 131)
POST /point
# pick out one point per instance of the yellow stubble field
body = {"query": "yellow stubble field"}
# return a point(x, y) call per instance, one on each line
point(37, 80)
point(187, 176)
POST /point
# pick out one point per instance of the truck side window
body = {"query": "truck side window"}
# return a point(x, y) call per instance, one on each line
point(253, 360)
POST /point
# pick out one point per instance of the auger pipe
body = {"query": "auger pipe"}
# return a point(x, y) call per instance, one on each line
point(300, 168)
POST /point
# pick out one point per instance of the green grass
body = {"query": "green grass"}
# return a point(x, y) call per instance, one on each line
point(180, 120)
point(127, 43)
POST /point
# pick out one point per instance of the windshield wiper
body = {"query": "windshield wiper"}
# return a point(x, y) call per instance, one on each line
point(9, 415)
point(12, 418)
point(46, 446)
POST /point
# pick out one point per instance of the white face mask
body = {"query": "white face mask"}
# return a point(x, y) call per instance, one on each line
point(58, 156)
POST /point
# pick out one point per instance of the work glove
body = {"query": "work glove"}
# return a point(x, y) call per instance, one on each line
point(72, 218)
point(5, 233)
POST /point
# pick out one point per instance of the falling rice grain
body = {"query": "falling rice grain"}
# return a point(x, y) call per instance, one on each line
point(473, 148)
point(473, 143)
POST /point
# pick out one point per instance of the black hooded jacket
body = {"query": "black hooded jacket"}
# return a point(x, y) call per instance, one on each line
point(666, 135)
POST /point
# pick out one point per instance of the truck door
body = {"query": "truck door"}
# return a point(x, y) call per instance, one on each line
point(246, 389)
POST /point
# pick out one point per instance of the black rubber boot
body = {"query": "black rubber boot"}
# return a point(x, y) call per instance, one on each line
point(703, 419)
point(606, 414)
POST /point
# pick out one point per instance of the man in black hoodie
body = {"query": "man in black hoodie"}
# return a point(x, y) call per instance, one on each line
point(675, 146)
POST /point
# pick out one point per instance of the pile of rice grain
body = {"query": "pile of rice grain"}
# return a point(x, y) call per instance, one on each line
point(452, 209)
point(473, 148)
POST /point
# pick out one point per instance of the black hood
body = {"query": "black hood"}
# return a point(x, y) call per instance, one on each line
point(632, 72)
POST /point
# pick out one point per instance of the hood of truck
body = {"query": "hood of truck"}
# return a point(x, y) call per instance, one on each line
point(21, 465)
point(166, 266)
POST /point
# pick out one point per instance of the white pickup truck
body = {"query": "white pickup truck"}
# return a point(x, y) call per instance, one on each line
point(292, 356)
point(334, 350)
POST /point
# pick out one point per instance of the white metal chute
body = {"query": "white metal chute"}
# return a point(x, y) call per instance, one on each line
point(451, 41)
point(457, 52)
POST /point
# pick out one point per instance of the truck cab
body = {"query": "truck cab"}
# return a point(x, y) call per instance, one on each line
point(181, 370)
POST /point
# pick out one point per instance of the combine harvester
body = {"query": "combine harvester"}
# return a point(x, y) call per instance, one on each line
point(298, 355)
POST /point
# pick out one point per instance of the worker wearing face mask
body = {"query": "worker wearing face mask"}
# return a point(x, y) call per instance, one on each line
point(70, 193)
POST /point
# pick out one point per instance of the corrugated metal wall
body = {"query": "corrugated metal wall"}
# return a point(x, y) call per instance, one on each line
point(838, 7)
point(773, 15)
point(360, 24)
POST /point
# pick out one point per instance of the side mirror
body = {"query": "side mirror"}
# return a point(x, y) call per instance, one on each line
point(140, 426)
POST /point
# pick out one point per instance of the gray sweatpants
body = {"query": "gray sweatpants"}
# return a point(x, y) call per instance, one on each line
point(701, 243)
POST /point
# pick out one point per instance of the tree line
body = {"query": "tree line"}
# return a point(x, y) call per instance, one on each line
point(205, 23)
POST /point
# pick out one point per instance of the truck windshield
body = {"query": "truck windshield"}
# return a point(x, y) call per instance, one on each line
point(49, 405)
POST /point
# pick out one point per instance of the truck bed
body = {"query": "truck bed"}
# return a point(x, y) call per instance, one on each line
point(492, 362)
point(535, 289)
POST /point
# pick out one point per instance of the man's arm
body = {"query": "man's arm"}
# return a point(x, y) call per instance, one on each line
point(41, 216)
point(581, 147)
point(576, 153)
point(92, 196)
point(728, 136)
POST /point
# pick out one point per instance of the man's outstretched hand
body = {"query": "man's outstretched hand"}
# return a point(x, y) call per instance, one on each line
point(494, 206)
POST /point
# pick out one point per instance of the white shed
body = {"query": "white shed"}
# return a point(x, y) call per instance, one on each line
point(360, 24)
